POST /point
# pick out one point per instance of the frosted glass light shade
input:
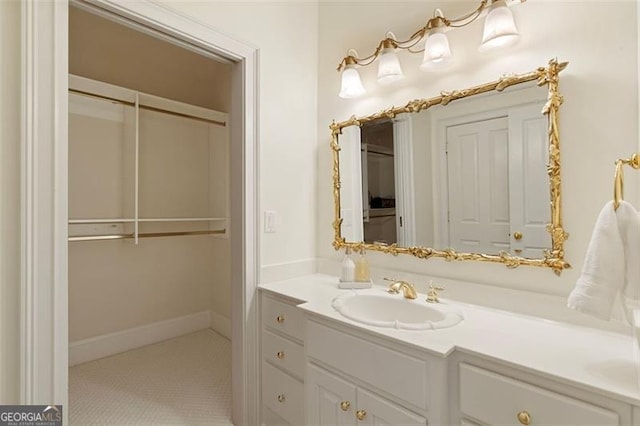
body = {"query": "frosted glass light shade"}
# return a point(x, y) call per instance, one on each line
point(389, 69)
point(351, 84)
point(437, 52)
point(499, 27)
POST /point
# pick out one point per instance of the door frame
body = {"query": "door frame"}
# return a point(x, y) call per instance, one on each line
point(44, 195)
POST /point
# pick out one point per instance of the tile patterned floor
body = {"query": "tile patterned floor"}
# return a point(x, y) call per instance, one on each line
point(186, 380)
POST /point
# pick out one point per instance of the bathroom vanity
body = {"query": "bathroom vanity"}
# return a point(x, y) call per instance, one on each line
point(493, 368)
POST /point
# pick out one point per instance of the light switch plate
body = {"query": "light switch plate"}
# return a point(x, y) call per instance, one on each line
point(270, 221)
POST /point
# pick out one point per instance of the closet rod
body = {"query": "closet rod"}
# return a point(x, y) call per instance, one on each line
point(147, 107)
point(108, 98)
point(178, 114)
point(381, 216)
point(148, 235)
point(91, 221)
point(385, 154)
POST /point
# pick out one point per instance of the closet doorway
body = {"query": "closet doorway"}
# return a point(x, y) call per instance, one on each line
point(112, 173)
point(149, 240)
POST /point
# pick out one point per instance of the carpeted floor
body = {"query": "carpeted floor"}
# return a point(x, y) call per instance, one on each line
point(186, 380)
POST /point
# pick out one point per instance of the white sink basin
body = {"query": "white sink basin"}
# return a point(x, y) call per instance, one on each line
point(393, 311)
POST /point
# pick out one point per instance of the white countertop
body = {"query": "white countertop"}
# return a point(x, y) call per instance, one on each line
point(596, 360)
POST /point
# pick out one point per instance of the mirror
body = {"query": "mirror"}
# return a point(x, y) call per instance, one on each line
point(468, 175)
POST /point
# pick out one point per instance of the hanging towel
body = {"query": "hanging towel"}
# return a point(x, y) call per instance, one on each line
point(612, 264)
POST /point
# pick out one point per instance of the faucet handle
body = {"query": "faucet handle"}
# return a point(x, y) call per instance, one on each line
point(394, 287)
point(432, 294)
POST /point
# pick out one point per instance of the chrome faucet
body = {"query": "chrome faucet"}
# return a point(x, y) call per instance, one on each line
point(408, 290)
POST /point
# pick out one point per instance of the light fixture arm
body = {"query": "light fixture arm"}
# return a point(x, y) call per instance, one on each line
point(438, 21)
point(353, 59)
point(385, 43)
point(468, 18)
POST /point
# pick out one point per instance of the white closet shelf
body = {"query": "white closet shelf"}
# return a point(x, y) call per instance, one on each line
point(181, 219)
point(78, 221)
point(146, 235)
point(160, 219)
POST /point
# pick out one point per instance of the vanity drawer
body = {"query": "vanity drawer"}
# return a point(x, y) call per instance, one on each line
point(283, 353)
point(284, 317)
point(283, 394)
point(497, 400)
point(394, 372)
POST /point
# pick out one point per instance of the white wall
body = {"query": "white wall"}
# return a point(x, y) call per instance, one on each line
point(9, 201)
point(286, 34)
point(598, 121)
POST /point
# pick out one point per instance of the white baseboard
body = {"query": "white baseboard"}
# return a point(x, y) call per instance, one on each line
point(285, 271)
point(221, 324)
point(132, 338)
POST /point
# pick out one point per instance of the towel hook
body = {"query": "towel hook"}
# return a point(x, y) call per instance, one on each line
point(618, 185)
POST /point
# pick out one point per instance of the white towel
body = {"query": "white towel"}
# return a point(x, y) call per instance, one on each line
point(612, 264)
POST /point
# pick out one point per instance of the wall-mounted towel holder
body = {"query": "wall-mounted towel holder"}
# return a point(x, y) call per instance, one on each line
point(618, 191)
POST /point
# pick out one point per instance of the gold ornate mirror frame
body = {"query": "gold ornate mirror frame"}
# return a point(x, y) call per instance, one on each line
point(553, 258)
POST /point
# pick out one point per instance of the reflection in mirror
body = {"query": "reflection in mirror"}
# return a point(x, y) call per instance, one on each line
point(467, 179)
point(378, 182)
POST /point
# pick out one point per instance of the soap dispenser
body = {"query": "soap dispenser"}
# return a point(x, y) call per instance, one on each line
point(362, 268)
point(348, 267)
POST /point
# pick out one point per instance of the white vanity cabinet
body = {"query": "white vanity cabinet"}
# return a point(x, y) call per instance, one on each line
point(332, 400)
point(334, 372)
point(355, 379)
point(489, 394)
point(282, 361)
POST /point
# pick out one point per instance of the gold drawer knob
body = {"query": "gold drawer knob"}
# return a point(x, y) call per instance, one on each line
point(280, 355)
point(281, 398)
point(345, 405)
point(517, 236)
point(524, 418)
point(361, 414)
point(280, 319)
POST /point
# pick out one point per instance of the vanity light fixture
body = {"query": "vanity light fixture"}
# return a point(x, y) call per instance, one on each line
point(389, 69)
point(499, 31)
point(351, 84)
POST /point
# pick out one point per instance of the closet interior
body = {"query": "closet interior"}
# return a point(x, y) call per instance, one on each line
point(149, 241)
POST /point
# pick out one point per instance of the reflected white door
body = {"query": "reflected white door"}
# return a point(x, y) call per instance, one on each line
point(351, 184)
point(528, 181)
point(478, 178)
point(405, 193)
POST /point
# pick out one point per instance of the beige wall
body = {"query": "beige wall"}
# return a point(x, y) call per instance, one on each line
point(598, 121)
point(9, 201)
point(286, 34)
point(115, 285)
point(106, 51)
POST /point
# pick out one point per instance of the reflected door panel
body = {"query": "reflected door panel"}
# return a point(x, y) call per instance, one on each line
point(478, 170)
point(530, 198)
